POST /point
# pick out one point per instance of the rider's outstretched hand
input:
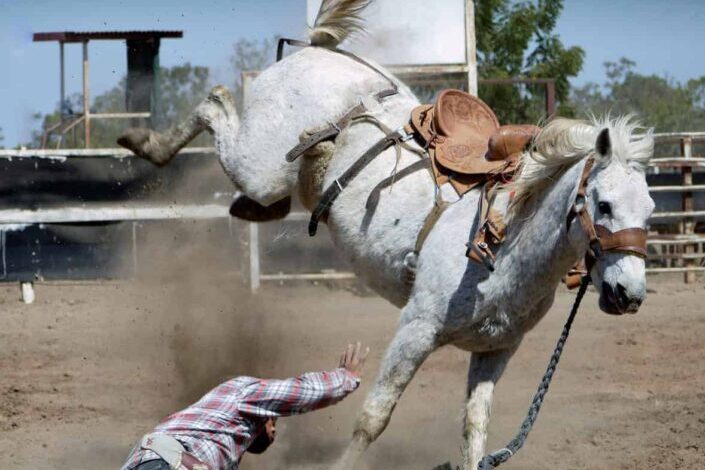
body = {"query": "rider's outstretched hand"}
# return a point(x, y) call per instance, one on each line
point(353, 358)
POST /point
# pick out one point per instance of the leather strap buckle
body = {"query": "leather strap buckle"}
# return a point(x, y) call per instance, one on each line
point(480, 252)
point(596, 248)
point(402, 134)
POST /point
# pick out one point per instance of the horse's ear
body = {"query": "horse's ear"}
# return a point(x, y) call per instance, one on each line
point(603, 146)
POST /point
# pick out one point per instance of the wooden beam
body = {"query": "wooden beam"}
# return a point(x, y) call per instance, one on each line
point(144, 115)
point(676, 189)
point(676, 241)
point(673, 270)
point(677, 162)
point(677, 215)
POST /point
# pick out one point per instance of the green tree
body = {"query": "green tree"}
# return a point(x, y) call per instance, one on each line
point(180, 89)
point(661, 102)
point(517, 39)
point(250, 56)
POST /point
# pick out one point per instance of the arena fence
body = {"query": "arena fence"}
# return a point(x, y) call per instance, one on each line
point(674, 244)
point(683, 250)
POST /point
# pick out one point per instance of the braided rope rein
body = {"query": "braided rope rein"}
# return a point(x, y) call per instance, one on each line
point(500, 456)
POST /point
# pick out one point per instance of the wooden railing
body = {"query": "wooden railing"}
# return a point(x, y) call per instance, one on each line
point(683, 251)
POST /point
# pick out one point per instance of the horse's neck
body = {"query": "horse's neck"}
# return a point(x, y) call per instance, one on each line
point(539, 250)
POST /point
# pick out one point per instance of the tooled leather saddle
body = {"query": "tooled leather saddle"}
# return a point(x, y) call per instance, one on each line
point(468, 148)
point(466, 144)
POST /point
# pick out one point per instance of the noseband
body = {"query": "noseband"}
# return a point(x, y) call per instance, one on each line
point(631, 241)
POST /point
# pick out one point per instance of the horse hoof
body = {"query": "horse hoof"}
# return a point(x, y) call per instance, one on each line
point(222, 94)
point(248, 209)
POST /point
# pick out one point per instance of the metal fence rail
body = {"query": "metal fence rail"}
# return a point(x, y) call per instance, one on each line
point(89, 153)
point(102, 212)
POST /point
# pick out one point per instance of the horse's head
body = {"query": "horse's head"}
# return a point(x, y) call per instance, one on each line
point(617, 198)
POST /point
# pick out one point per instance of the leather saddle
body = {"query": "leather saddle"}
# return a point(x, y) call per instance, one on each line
point(469, 148)
point(465, 141)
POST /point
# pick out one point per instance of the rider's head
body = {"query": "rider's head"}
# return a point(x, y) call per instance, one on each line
point(265, 438)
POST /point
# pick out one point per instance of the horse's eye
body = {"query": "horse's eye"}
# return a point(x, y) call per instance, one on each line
point(605, 208)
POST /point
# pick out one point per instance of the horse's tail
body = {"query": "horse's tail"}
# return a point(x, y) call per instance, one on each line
point(336, 20)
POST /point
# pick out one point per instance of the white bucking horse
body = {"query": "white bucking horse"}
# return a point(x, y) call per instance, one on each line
point(452, 300)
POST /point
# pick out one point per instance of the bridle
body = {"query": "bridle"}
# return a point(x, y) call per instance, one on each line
point(631, 241)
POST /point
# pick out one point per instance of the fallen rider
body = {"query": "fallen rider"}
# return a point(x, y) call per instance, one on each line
point(240, 416)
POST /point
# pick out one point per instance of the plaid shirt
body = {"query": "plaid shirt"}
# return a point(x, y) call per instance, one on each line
point(219, 427)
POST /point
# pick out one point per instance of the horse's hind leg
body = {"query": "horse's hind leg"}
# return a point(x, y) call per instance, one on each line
point(412, 344)
point(160, 148)
point(485, 370)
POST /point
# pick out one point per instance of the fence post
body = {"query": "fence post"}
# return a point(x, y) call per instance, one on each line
point(253, 258)
point(550, 98)
point(134, 249)
point(86, 98)
point(470, 47)
point(688, 223)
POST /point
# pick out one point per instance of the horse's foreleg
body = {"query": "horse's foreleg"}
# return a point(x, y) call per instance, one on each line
point(485, 370)
point(160, 148)
point(411, 345)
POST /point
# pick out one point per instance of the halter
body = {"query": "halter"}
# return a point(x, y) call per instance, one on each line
point(631, 241)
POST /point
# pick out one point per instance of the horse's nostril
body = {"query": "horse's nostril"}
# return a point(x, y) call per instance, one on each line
point(624, 298)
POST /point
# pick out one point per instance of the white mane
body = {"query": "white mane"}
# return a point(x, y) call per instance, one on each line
point(564, 142)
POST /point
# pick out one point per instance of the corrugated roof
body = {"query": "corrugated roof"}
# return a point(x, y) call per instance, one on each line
point(75, 36)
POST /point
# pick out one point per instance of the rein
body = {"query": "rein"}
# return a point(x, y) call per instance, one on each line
point(500, 456)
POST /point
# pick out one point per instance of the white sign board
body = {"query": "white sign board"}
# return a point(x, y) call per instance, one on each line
point(409, 32)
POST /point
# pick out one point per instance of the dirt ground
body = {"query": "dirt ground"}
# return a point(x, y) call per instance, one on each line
point(88, 368)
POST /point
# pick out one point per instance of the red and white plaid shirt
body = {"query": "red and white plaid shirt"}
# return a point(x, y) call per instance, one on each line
point(219, 427)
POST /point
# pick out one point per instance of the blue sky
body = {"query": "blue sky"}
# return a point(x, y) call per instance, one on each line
point(665, 38)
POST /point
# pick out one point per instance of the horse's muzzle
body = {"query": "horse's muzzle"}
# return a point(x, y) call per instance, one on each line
point(617, 301)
